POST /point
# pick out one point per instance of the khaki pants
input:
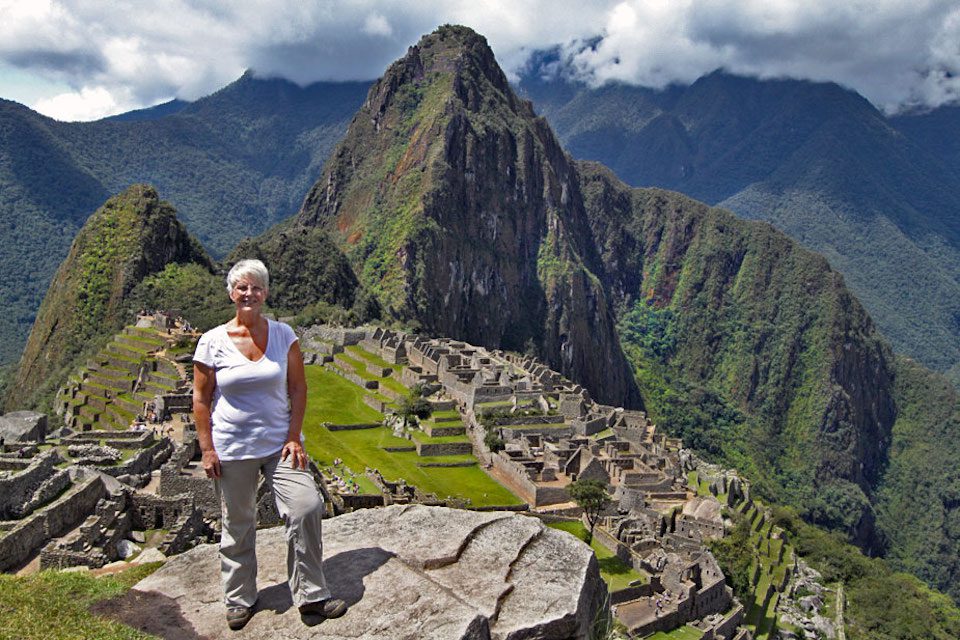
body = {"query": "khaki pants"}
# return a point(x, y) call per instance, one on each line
point(301, 507)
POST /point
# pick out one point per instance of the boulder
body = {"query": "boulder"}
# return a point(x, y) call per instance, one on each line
point(125, 549)
point(406, 572)
point(23, 426)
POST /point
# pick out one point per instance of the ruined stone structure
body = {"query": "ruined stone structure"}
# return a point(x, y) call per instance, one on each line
point(553, 433)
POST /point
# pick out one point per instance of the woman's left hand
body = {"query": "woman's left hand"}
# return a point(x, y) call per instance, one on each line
point(294, 451)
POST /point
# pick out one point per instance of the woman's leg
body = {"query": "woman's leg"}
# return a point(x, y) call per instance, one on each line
point(301, 507)
point(237, 487)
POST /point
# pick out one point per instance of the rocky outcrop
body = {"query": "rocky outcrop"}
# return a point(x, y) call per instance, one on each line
point(407, 572)
point(461, 213)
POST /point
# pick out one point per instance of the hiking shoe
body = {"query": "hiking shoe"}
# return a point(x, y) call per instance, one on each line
point(329, 608)
point(238, 617)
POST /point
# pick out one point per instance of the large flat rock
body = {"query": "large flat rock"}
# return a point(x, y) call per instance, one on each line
point(407, 572)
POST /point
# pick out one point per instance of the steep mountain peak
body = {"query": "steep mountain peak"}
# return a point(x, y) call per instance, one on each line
point(448, 194)
point(134, 234)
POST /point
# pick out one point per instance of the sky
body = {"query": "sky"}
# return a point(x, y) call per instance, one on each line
point(86, 59)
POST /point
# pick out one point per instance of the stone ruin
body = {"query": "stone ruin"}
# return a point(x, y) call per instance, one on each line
point(553, 433)
point(76, 498)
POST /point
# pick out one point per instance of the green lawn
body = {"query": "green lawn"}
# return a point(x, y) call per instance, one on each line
point(52, 605)
point(359, 352)
point(615, 572)
point(336, 400)
point(686, 632)
point(420, 436)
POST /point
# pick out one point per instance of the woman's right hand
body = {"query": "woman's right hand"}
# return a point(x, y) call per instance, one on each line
point(211, 463)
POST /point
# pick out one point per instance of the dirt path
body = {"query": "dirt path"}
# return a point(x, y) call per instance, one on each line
point(841, 632)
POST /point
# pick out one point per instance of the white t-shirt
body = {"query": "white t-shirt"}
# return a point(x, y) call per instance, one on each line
point(251, 407)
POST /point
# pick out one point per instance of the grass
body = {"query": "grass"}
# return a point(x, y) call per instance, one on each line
point(363, 448)
point(420, 436)
point(356, 350)
point(615, 572)
point(336, 400)
point(53, 605)
point(686, 632)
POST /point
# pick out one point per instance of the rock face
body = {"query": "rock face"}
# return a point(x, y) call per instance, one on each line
point(24, 426)
point(407, 572)
point(461, 213)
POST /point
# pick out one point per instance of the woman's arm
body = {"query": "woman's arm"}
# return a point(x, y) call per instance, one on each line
point(297, 390)
point(204, 383)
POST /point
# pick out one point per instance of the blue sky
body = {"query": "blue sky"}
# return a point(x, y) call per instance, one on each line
point(85, 59)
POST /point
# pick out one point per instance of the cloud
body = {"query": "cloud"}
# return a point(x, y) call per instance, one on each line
point(895, 52)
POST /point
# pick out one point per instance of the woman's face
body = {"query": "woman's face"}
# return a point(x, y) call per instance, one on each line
point(248, 294)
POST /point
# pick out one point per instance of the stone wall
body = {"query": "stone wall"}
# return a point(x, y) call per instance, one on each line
point(529, 491)
point(184, 533)
point(18, 490)
point(443, 449)
point(54, 520)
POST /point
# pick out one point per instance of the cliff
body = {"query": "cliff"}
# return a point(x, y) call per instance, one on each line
point(745, 313)
point(461, 214)
point(134, 234)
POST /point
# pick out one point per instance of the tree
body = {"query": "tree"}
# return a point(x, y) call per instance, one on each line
point(493, 441)
point(591, 496)
point(414, 406)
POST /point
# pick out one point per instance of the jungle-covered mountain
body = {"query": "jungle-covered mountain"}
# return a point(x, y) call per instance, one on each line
point(459, 212)
point(131, 243)
point(816, 160)
point(234, 162)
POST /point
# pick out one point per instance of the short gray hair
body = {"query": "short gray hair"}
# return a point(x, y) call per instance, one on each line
point(253, 269)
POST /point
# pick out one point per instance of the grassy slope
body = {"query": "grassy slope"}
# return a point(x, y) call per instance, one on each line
point(333, 399)
point(52, 605)
point(133, 235)
point(919, 498)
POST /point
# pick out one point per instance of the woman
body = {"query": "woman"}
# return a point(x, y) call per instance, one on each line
point(249, 397)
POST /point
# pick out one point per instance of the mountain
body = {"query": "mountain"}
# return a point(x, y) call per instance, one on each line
point(814, 159)
point(461, 215)
point(151, 113)
point(235, 163)
point(736, 308)
point(132, 236)
point(458, 211)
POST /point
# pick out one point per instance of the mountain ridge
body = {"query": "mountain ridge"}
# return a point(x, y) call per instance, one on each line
point(816, 160)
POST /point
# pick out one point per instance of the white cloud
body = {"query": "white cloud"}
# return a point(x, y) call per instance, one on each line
point(89, 103)
point(377, 25)
point(895, 52)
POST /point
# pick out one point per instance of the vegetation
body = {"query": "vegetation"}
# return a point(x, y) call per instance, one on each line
point(132, 236)
point(882, 603)
point(190, 289)
point(338, 401)
point(843, 182)
point(413, 406)
point(918, 506)
point(234, 162)
point(591, 496)
point(53, 605)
